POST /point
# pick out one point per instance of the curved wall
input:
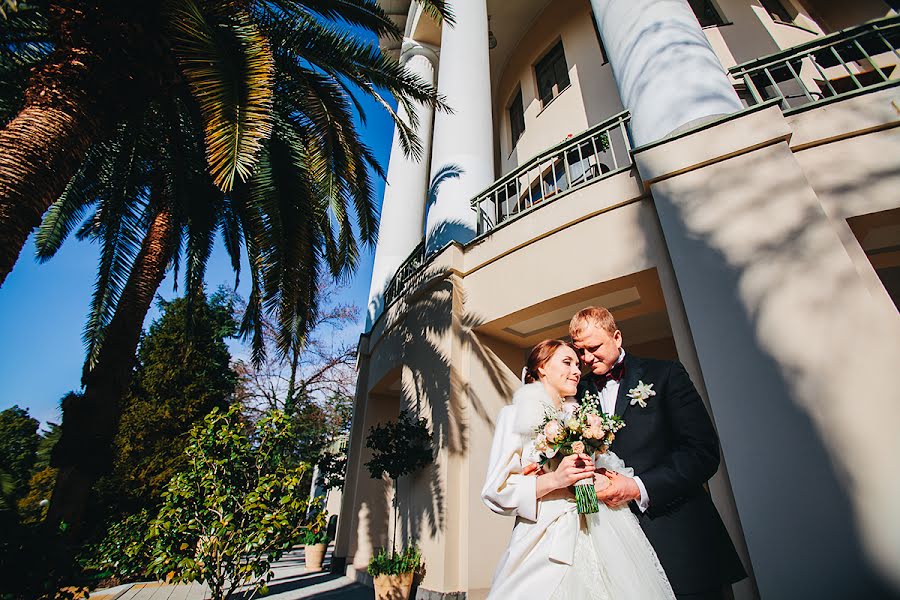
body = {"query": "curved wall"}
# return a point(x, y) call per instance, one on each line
point(591, 97)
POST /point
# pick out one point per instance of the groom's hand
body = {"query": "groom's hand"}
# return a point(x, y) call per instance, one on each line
point(621, 490)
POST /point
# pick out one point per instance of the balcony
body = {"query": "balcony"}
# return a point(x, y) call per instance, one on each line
point(845, 63)
point(830, 68)
point(594, 154)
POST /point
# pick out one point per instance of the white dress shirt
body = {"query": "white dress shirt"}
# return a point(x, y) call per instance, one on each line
point(608, 396)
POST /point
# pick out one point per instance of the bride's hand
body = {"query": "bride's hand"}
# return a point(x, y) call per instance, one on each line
point(572, 469)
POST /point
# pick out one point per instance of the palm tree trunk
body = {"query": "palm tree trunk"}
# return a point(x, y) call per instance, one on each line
point(43, 146)
point(84, 451)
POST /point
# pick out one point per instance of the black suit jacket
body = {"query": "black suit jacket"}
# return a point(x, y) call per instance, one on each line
point(672, 445)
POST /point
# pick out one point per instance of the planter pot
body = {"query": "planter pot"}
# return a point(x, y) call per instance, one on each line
point(393, 587)
point(314, 555)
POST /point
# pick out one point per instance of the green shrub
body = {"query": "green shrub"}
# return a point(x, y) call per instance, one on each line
point(407, 561)
point(235, 509)
point(315, 527)
point(311, 537)
point(123, 553)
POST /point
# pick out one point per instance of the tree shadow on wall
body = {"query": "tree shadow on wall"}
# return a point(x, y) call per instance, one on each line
point(741, 265)
point(431, 331)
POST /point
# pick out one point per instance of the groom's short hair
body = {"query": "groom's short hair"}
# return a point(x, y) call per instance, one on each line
point(592, 315)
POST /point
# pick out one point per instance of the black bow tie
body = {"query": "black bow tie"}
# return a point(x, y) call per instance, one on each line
point(614, 374)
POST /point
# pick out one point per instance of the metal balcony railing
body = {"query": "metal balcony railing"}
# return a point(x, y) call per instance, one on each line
point(840, 64)
point(594, 154)
point(404, 273)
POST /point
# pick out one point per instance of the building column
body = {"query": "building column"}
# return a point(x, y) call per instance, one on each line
point(403, 209)
point(667, 73)
point(462, 163)
point(796, 354)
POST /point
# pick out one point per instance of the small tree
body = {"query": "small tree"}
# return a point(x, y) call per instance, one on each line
point(235, 508)
point(19, 441)
point(183, 372)
point(398, 448)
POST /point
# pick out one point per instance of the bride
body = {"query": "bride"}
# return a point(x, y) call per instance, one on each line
point(555, 553)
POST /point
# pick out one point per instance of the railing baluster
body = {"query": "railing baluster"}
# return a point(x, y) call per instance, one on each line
point(827, 81)
point(869, 58)
point(596, 153)
point(797, 77)
point(612, 147)
point(584, 174)
point(846, 67)
point(625, 138)
point(748, 83)
point(784, 102)
point(888, 44)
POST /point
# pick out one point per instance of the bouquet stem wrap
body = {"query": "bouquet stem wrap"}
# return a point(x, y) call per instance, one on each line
point(586, 497)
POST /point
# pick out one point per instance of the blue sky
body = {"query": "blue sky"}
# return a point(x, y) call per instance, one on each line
point(43, 306)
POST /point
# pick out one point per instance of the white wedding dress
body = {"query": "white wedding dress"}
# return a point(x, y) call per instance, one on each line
point(554, 553)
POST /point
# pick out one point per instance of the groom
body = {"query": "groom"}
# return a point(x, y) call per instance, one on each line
point(669, 441)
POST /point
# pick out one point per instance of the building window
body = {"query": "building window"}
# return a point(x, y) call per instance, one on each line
point(777, 11)
point(517, 118)
point(599, 39)
point(552, 74)
point(706, 13)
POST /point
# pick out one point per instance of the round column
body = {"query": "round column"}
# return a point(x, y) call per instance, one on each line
point(403, 208)
point(462, 162)
point(667, 73)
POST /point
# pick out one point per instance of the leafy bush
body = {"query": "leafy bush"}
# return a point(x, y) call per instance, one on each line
point(315, 527)
point(122, 554)
point(235, 508)
point(407, 561)
point(33, 506)
point(310, 537)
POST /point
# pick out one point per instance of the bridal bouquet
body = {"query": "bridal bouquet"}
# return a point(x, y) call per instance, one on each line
point(575, 429)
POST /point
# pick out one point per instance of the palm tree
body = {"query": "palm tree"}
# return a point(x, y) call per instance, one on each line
point(157, 183)
point(92, 65)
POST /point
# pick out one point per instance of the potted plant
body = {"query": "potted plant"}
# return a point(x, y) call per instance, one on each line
point(393, 573)
point(398, 449)
point(314, 537)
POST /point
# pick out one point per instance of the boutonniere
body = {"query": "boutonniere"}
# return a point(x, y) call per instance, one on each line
point(640, 393)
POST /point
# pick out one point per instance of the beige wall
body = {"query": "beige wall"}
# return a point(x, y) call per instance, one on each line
point(850, 159)
point(591, 98)
point(834, 15)
point(766, 294)
point(759, 263)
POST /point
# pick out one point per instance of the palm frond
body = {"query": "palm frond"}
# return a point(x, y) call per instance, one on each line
point(364, 14)
point(120, 225)
point(69, 210)
point(439, 10)
point(228, 65)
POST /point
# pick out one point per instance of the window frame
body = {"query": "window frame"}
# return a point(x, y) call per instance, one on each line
point(548, 64)
point(785, 17)
point(518, 102)
point(711, 6)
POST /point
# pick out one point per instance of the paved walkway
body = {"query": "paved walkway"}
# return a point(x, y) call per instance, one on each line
point(291, 582)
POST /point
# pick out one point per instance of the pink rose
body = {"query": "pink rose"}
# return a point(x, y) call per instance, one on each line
point(597, 432)
point(552, 430)
point(594, 420)
point(578, 447)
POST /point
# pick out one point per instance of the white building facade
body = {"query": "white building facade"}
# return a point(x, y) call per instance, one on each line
point(721, 174)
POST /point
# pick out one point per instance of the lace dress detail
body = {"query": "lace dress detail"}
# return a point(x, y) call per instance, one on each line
point(587, 578)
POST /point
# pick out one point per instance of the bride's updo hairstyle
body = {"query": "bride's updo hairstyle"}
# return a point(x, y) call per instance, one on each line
point(539, 356)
